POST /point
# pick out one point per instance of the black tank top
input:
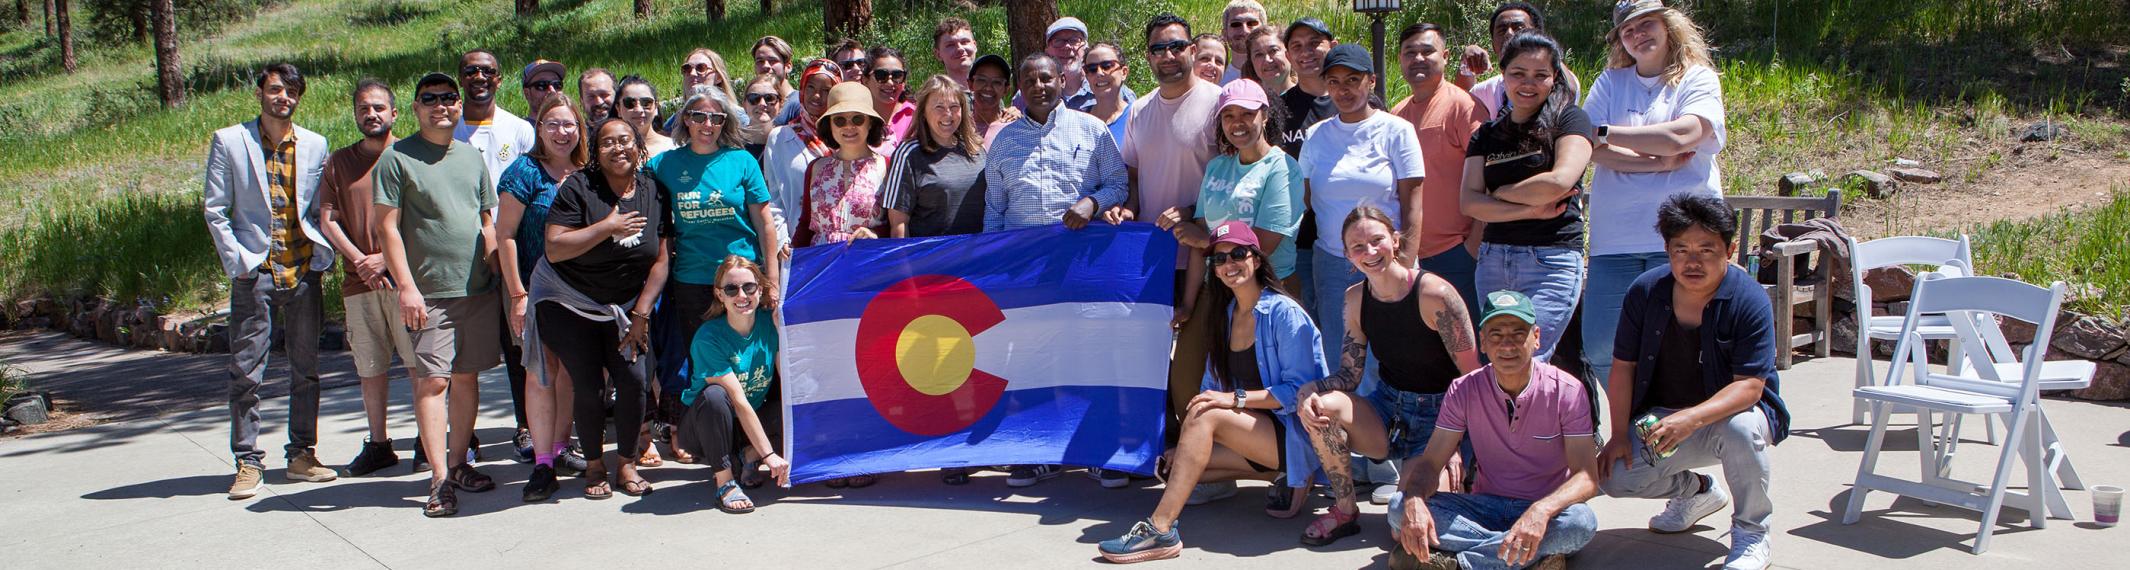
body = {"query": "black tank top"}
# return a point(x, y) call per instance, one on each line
point(1242, 369)
point(1409, 355)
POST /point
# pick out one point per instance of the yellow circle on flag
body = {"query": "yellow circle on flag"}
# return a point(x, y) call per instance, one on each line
point(935, 354)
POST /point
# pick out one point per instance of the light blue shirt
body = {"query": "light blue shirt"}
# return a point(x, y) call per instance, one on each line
point(1266, 194)
point(1290, 354)
point(1036, 171)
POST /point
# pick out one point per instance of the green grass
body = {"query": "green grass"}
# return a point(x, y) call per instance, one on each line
point(2083, 248)
point(99, 186)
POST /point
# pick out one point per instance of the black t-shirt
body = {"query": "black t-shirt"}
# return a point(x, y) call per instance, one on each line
point(1303, 111)
point(1512, 156)
point(611, 272)
point(1677, 383)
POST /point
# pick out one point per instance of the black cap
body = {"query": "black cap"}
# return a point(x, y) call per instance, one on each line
point(1313, 24)
point(994, 59)
point(1349, 56)
point(437, 78)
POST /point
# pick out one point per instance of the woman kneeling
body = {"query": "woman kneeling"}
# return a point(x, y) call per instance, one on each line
point(733, 358)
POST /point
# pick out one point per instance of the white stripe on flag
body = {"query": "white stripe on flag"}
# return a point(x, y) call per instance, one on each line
point(1045, 346)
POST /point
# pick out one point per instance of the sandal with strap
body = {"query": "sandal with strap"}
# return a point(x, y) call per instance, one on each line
point(443, 501)
point(636, 487)
point(649, 457)
point(465, 477)
point(750, 475)
point(595, 486)
point(1341, 525)
point(730, 494)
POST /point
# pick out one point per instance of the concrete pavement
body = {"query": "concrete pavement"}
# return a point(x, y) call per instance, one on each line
point(148, 492)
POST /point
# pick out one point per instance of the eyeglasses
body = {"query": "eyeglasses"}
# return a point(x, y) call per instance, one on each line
point(700, 117)
point(438, 99)
point(854, 63)
point(847, 120)
point(889, 75)
point(1100, 66)
point(617, 143)
point(1219, 259)
point(639, 102)
point(1171, 47)
point(545, 85)
point(472, 70)
point(760, 98)
point(559, 125)
point(735, 289)
point(697, 68)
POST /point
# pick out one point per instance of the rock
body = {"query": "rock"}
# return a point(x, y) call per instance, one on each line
point(1916, 175)
point(1843, 334)
point(1905, 162)
point(215, 339)
point(2016, 332)
point(2088, 337)
point(2110, 382)
point(1874, 184)
point(1792, 183)
point(29, 409)
point(1890, 284)
point(2043, 131)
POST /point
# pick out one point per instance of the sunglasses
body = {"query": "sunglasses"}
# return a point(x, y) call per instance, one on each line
point(1219, 259)
point(760, 98)
point(850, 120)
point(639, 102)
point(890, 75)
point(698, 69)
point(472, 70)
point(1244, 24)
point(444, 99)
point(545, 85)
point(1100, 66)
point(734, 290)
point(1173, 47)
point(854, 63)
point(700, 117)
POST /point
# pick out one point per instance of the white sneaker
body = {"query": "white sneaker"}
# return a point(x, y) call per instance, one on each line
point(1749, 551)
point(1209, 492)
point(1681, 513)
point(1382, 494)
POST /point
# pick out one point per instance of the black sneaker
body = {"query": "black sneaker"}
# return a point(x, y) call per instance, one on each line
point(571, 462)
point(524, 444)
point(375, 455)
point(541, 485)
point(421, 460)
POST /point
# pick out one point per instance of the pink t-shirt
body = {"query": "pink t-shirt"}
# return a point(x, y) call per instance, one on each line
point(1525, 454)
point(1445, 126)
point(1169, 141)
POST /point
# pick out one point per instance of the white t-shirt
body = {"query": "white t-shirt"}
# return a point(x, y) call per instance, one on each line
point(1623, 206)
point(500, 139)
point(1349, 165)
point(1488, 93)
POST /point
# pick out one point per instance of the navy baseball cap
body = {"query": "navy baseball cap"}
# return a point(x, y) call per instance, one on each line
point(1350, 56)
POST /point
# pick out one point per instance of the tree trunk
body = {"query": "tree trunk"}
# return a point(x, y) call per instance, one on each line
point(22, 13)
point(643, 9)
point(714, 10)
point(50, 29)
point(169, 84)
point(66, 36)
point(528, 7)
point(769, 7)
point(1025, 21)
point(847, 18)
point(137, 20)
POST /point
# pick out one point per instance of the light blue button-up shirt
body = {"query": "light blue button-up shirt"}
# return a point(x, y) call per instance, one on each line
point(1034, 171)
point(1290, 354)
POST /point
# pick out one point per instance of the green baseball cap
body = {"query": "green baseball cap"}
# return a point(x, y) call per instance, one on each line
point(1509, 303)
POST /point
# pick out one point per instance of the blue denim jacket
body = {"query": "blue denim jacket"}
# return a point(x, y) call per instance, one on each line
point(1290, 354)
point(1737, 330)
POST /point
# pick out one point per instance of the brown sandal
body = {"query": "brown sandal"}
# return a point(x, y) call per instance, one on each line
point(636, 488)
point(595, 485)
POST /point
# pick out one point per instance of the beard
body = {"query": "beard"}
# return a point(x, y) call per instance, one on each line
point(382, 129)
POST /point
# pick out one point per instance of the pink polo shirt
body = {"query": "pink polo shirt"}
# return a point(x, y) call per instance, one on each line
point(1525, 454)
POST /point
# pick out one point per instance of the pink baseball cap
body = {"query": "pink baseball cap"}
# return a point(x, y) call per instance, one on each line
point(1243, 93)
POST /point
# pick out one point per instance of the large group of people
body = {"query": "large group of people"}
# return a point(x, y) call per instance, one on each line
point(621, 253)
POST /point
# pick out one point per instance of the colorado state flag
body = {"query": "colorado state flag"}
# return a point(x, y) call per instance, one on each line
point(1035, 346)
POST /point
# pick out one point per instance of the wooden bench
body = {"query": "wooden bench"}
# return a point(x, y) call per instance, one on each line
point(1756, 214)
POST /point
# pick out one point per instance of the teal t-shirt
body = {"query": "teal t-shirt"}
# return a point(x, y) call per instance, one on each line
point(718, 351)
point(1266, 193)
point(708, 196)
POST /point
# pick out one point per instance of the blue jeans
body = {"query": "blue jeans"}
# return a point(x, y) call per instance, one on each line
point(1459, 268)
point(1610, 276)
point(1551, 276)
point(1473, 527)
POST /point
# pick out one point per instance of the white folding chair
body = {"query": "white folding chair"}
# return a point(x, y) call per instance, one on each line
point(1993, 360)
point(1948, 257)
point(1933, 393)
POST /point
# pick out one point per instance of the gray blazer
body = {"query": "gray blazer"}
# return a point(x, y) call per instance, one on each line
point(240, 216)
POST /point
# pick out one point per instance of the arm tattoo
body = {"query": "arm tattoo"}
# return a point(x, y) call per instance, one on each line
point(1455, 327)
point(1331, 443)
point(1353, 356)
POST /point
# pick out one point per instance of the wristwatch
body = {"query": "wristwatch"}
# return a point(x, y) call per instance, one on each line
point(1241, 396)
point(1602, 131)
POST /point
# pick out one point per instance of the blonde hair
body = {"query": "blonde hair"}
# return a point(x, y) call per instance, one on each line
point(1687, 47)
point(1244, 6)
point(940, 85)
point(724, 76)
point(732, 262)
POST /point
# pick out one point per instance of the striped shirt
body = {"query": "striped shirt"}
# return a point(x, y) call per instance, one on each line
point(290, 248)
point(1036, 171)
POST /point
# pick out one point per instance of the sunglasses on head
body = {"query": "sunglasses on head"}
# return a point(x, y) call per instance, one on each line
point(472, 70)
point(1100, 66)
point(545, 85)
point(695, 68)
point(760, 98)
point(438, 99)
point(849, 120)
point(639, 102)
point(888, 75)
point(701, 117)
point(735, 289)
point(1218, 259)
point(1171, 47)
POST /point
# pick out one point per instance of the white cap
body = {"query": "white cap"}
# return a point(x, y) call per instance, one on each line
point(1065, 23)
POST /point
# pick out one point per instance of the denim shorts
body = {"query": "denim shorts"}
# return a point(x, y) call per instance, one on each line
point(1408, 419)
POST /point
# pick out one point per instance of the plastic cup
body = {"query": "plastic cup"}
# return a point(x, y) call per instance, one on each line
point(2107, 504)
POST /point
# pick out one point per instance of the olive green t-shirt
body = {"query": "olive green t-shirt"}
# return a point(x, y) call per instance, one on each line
point(441, 193)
